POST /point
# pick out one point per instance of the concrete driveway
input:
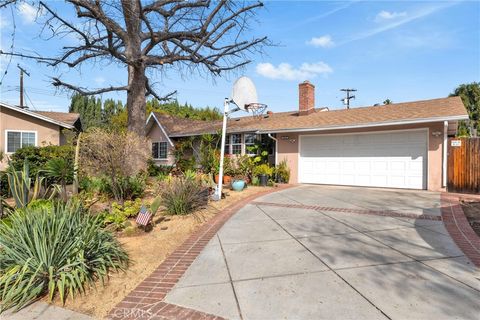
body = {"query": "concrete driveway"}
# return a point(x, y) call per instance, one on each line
point(322, 252)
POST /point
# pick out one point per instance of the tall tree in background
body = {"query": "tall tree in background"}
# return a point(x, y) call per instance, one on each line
point(208, 36)
point(470, 94)
point(91, 111)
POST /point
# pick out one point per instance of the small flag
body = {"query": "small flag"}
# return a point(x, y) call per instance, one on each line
point(144, 216)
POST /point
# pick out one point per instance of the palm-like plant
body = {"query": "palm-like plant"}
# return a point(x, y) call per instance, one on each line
point(56, 250)
point(61, 171)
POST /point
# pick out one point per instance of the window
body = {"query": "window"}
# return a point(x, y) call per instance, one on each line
point(249, 143)
point(227, 144)
point(236, 142)
point(20, 139)
point(159, 150)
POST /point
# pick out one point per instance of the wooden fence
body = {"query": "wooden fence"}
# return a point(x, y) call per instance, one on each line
point(463, 169)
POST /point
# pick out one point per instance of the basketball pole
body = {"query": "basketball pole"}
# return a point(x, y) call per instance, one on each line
point(226, 111)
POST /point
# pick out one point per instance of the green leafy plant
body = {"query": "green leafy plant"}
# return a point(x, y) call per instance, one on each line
point(182, 196)
point(157, 202)
point(61, 171)
point(20, 183)
point(263, 169)
point(54, 251)
point(190, 175)
point(282, 171)
point(119, 213)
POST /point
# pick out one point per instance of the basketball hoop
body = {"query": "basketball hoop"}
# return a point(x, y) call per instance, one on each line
point(256, 109)
point(244, 96)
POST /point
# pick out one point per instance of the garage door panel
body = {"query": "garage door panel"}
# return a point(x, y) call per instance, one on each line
point(394, 159)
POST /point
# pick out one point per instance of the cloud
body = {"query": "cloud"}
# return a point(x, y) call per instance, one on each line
point(285, 71)
point(421, 13)
point(99, 80)
point(27, 12)
point(387, 15)
point(323, 41)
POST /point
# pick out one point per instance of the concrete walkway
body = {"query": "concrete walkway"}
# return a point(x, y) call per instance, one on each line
point(361, 254)
point(43, 311)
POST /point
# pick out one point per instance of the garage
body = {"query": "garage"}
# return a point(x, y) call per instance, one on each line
point(391, 159)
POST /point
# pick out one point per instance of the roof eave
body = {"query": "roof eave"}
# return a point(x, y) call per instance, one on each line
point(38, 116)
point(369, 125)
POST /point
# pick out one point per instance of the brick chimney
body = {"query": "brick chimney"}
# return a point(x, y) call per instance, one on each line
point(306, 98)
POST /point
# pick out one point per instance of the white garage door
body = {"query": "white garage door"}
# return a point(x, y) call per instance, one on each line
point(383, 159)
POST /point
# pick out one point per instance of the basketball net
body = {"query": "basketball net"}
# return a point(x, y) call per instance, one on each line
point(256, 109)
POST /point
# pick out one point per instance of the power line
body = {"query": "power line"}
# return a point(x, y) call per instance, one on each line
point(346, 101)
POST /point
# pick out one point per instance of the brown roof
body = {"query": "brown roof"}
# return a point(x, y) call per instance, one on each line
point(418, 111)
point(65, 117)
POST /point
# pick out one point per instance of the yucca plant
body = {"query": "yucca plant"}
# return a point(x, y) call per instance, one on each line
point(182, 196)
point(20, 184)
point(55, 251)
point(61, 171)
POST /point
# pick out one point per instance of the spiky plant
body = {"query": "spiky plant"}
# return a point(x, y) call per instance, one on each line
point(61, 171)
point(55, 251)
point(182, 196)
point(20, 184)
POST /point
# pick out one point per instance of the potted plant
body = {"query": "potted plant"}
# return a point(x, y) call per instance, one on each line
point(238, 183)
point(263, 172)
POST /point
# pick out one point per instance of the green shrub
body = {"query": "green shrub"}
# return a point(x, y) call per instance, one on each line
point(37, 157)
point(58, 251)
point(156, 170)
point(131, 187)
point(263, 169)
point(60, 171)
point(282, 172)
point(119, 213)
point(182, 196)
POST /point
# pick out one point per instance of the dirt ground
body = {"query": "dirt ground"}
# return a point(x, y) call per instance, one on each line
point(472, 212)
point(147, 251)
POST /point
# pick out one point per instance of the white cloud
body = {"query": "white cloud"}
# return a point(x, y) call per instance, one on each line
point(99, 80)
point(27, 12)
point(323, 41)
point(285, 71)
point(387, 15)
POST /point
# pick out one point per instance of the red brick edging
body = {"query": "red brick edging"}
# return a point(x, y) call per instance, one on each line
point(459, 228)
point(146, 300)
point(383, 213)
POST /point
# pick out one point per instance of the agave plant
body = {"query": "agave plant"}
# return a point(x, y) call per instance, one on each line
point(61, 171)
point(20, 184)
point(56, 250)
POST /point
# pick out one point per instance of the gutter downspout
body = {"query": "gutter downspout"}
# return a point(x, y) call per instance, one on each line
point(276, 146)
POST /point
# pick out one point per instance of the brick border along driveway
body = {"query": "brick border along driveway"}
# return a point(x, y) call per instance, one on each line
point(458, 226)
point(146, 300)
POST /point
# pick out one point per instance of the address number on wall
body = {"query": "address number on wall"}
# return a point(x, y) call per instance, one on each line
point(456, 143)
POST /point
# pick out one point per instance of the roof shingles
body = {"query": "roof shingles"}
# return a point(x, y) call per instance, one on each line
point(289, 121)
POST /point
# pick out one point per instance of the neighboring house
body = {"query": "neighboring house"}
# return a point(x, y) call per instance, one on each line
point(401, 145)
point(20, 127)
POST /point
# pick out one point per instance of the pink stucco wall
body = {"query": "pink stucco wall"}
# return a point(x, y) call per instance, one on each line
point(156, 135)
point(47, 133)
point(288, 149)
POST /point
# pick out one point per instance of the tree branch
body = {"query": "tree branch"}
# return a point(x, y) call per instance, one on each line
point(83, 91)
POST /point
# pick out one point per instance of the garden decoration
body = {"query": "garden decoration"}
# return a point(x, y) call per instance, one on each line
point(144, 217)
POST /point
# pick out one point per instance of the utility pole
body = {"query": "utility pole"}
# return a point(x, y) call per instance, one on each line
point(22, 71)
point(346, 101)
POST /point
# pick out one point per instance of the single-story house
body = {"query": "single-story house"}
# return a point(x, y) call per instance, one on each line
point(401, 145)
point(20, 127)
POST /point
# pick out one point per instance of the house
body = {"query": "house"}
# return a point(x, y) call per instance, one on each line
point(401, 145)
point(20, 127)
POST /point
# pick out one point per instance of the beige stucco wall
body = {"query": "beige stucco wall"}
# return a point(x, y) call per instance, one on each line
point(47, 133)
point(288, 149)
point(156, 135)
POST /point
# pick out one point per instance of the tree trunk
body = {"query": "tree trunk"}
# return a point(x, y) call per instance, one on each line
point(136, 67)
point(136, 100)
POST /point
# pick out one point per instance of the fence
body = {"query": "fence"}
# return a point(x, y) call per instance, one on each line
point(463, 169)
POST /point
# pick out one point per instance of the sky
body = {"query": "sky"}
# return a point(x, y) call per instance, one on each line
point(400, 50)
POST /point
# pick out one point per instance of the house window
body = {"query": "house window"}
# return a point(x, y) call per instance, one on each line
point(236, 142)
point(227, 144)
point(20, 139)
point(159, 150)
point(249, 143)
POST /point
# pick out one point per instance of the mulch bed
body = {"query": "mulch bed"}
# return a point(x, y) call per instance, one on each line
point(471, 208)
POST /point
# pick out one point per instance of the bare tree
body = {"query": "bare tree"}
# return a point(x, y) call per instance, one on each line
point(187, 35)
